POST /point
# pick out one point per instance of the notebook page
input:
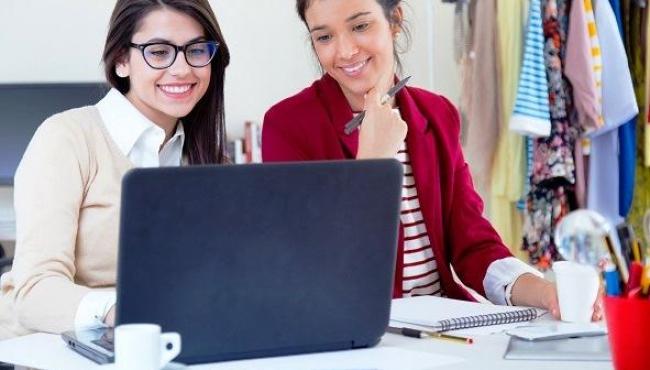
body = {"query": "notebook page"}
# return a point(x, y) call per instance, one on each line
point(425, 311)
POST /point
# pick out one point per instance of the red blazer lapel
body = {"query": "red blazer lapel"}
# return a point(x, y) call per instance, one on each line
point(339, 113)
point(425, 163)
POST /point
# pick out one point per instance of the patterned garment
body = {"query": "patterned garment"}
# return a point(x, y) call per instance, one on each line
point(553, 174)
point(546, 206)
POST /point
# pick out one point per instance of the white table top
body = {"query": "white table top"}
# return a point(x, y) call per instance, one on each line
point(46, 351)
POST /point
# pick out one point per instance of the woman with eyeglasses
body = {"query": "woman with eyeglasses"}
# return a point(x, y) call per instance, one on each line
point(165, 61)
point(442, 226)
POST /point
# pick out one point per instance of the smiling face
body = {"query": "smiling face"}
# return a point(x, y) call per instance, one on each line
point(165, 95)
point(353, 40)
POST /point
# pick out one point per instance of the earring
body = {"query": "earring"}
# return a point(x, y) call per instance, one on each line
point(396, 34)
point(120, 72)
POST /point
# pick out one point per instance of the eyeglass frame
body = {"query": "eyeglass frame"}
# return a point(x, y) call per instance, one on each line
point(177, 49)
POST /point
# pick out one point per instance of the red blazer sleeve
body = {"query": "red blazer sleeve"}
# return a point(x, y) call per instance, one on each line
point(473, 243)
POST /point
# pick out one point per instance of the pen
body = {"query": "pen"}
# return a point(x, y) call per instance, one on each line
point(645, 279)
point(356, 121)
point(618, 262)
point(415, 333)
point(612, 280)
point(636, 250)
point(636, 271)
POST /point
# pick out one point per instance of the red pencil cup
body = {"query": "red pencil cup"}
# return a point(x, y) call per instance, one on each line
point(628, 323)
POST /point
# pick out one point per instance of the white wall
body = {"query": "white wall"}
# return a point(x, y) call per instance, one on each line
point(445, 72)
point(55, 41)
point(62, 41)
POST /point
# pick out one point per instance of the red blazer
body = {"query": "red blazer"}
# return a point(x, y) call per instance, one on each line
point(309, 126)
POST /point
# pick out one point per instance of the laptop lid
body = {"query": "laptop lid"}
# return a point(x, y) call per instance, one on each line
point(260, 260)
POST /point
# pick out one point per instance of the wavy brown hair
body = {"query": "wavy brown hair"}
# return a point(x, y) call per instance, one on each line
point(205, 132)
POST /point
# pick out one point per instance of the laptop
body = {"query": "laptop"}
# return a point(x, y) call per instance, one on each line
point(258, 260)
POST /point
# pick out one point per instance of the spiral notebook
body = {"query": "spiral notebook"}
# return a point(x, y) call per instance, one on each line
point(445, 314)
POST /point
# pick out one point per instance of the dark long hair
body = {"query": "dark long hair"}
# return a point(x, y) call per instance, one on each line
point(205, 133)
point(388, 7)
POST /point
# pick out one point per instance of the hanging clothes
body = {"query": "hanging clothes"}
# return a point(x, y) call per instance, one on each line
point(552, 180)
point(635, 27)
point(644, 41)
point(626, 143)
point(583, 68)
point(481, 98)
point(583, 65)
point(508, 172)
point(531, 114)
point(619, 106)
point(619, 100)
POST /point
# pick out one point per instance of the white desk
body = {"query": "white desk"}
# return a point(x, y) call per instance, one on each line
point(50, 352)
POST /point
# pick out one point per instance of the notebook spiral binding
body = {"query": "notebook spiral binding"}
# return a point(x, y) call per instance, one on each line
point(488, 319)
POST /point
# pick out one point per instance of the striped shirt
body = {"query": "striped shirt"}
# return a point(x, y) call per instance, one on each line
point(420, 274)
point(596, 56)
point(531, 115)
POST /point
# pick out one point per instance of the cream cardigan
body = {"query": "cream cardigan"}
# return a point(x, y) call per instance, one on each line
point(67, 201)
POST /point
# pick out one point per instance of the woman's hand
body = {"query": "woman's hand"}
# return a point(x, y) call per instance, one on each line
point(110, 317)
point(530, 290)
point(382, 131)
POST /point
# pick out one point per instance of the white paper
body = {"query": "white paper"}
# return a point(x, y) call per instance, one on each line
point(379, 358)
point(425, 312)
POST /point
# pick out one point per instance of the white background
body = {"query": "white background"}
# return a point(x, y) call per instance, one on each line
point(62, 41)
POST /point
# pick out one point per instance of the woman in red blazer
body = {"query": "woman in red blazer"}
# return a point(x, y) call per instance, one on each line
point(442, 222)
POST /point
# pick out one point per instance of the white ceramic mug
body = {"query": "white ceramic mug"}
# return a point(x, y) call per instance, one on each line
point(577, 289)
point(144, 347)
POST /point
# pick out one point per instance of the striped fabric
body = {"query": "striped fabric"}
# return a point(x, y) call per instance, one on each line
point(420, 267)
point(531, 115)
point(596, 57)
point(530, 149)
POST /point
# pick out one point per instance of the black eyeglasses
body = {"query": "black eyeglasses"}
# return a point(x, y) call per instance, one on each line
point(161, 55)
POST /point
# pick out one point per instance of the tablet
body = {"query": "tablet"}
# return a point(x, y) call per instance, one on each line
point(570, 349)
point(557, 330)
point(95, 344)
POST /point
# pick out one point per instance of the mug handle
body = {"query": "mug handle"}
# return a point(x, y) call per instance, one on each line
point(170, 347)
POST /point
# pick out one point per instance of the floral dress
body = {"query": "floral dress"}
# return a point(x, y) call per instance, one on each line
point(552, 176)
